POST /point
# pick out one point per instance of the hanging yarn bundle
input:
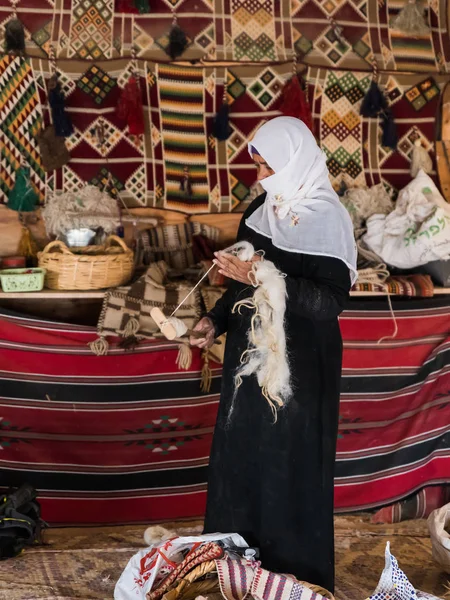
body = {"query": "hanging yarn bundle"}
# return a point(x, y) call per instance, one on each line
point(221, 126)
point(14, 37)
point(374, 105)
point(129, 106)
point(295, 100)
point(410, 20)
point(421, 160)
point(61, 120)
point(178, 40)
point(53, 150)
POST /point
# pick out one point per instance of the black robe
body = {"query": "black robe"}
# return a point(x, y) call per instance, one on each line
point(273, 483)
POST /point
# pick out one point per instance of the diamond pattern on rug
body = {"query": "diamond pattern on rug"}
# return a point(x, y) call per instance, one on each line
point(206, 40)
point(136, 185)
point(235, 87)
point(253, 30)
point(101, 179)
point(239, 191)
point(393, 91)
point(112, 136)
point(74, 140)
point(235, 143)
point(91, 29)
point(41, 37)
point(422, 93)
point(406, 143)
point(96, 83)
point(266, 88)
point(334, 50)
point(72, 182)
point(142, 41)
point(20, 121)
point(340, 125)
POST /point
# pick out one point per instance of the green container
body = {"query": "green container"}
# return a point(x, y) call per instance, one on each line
point(22, 280)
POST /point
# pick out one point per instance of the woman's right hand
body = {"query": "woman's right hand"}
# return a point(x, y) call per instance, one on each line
point(206, 327)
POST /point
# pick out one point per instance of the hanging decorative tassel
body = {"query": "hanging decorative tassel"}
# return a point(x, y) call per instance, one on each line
point(389, 138)
point(294, 102)
point(410, 20)
point(22, 197)
point(178, 41)
point(221, 127)
point(142, 6)
point(206, 380)
point(99, 347)
point(129, 107)
point(61, 120)
point(186, 183)
point(374, 101)
point(184, 358)
point(27, 245)
point(14, 37)
point(294, 96)
point(421, 160)
point(131, 327)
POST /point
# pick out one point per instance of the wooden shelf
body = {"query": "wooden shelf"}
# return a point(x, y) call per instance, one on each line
point(52, 295)
point(99, 294)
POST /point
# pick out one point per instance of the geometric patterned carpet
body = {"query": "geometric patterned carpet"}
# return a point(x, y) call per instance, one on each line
point(85, 563)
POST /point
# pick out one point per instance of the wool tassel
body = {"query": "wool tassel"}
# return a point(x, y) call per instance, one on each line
point(374, 101)
point(61, 120)
point(186, 183)
point(142, 6)
point(221, 127)
point(99, 347)
point(129, 107)
point(27, 245)
point(178, 40)
point(294, 101)
point(421, 160)
point(410, 20)
point(206, 380)
point(131, 328)
point(184, 358)
point(14, 37)
point(389, 138)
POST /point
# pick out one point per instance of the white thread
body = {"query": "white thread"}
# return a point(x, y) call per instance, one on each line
point(193, 290)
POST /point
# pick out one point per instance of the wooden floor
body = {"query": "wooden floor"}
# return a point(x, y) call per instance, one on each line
point(84, 564)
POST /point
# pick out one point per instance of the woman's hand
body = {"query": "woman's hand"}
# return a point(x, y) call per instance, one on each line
point(234, 268)
point(206, 327)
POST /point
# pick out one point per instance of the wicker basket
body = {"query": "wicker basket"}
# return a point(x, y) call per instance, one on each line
point(318, 590)
point(89, 268)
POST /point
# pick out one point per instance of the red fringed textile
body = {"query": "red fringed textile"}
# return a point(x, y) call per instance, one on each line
point(130, 109)
point(295, 103)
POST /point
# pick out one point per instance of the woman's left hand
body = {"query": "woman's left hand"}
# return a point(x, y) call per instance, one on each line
point(234, 268)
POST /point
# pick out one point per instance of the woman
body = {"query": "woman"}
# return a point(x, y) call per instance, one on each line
point(272, 482)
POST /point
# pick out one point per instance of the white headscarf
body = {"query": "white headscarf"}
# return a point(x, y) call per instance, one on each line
point(302, 213)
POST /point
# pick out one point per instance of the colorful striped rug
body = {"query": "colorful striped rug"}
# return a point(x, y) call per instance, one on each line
point(182, 109)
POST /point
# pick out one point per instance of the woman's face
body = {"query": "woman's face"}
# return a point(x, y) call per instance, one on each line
point(262, 167)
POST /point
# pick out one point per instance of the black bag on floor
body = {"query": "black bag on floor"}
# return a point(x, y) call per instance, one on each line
point(20, 521)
